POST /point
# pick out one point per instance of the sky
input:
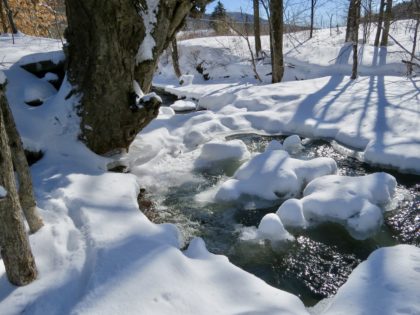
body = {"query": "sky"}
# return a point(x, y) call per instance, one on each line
point(298, 10)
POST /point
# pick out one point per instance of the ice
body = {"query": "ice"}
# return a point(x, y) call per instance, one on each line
point(181, 106)
point(386, 283)
point(272, 228)
point(273, 175)
point(3, 192)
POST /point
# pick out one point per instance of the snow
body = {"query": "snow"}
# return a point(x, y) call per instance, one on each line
point(272, 175)
point(38, 91)
point(217, 150)
point(292, 144)
point(386, 283)
point(50, 77)
point(186, 79)
point(352, 201)
point(274, 145)
point(182, 105)
point(3, 192)
point(272, 228)
point(149, 18)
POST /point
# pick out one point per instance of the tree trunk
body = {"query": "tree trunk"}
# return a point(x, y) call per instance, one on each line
point(175, 58)
point(15, 249)
point(26, 195)
point(350, 23)
point(10, 17)
point(380, 22)
point(416, 7)
point(387, 23)
point(311, 31)
point(355, 36)
point(276, 9)
point(257, 32)
point(3, 18)
point(109, 48)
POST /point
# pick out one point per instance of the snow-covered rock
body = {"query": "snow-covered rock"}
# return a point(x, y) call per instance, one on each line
point(272, 175)
point(217, 150)
point(166, 111)
point(182, 106)
point(291, 213)
point(386, 283)
point(272, 228)
point(292, 144)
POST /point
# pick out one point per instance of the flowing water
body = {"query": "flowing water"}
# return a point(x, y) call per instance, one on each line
point(321, 258)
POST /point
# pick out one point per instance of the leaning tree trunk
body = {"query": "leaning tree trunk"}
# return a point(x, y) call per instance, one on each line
point(109, 48)
point(276, 14)
point(355, 36)
point(257, 31)
point(15, 249)
point(387, 23)
point(175, 57)
point(26, 195)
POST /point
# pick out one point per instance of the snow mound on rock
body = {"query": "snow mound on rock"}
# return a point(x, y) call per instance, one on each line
point(386, 283)
point(274, 145)
point(292, 144)
point(272, 175)
point(218, 150)
point(272, 228)
point(182, 106)
point(291, 213)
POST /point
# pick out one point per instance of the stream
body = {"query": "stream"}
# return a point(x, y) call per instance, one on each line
point(321, 258)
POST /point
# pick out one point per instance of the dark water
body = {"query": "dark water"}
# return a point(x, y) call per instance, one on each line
point(322, 257)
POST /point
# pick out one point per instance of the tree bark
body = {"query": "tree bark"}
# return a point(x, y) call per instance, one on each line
point(387, 23)
point(276, 14)
point(15, 249)
point(257, 32)
point(105, 57)
point(311, 31)
point(380, 22)
point(355, 36)
point(175, 57)
point(26, 195)
point(350, 22)
point(10, 17)
point(3, 18)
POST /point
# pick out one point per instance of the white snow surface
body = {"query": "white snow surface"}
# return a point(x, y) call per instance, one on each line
point(3, 192)
point(386, 283)
point(217, 150)
point(354, 202)
point(149, 18)
point(272, 175)
point(183, 105)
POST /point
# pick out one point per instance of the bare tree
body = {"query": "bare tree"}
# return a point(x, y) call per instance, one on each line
point(257, 32)
point(387, 23)
point(415, 4)
point(10, 17)
point(276, 14)
point(355, 14)
point(380, 23)
point(313, 4)
point(175, 57)
point(15, 249)
point(350, 22)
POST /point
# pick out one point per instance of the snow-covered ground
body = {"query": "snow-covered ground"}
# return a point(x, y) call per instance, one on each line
point(98, 254)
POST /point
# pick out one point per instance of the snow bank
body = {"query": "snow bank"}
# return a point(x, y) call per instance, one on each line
point(181, 106)
point(272, 175)
point(386, 283)
point(3, 192)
